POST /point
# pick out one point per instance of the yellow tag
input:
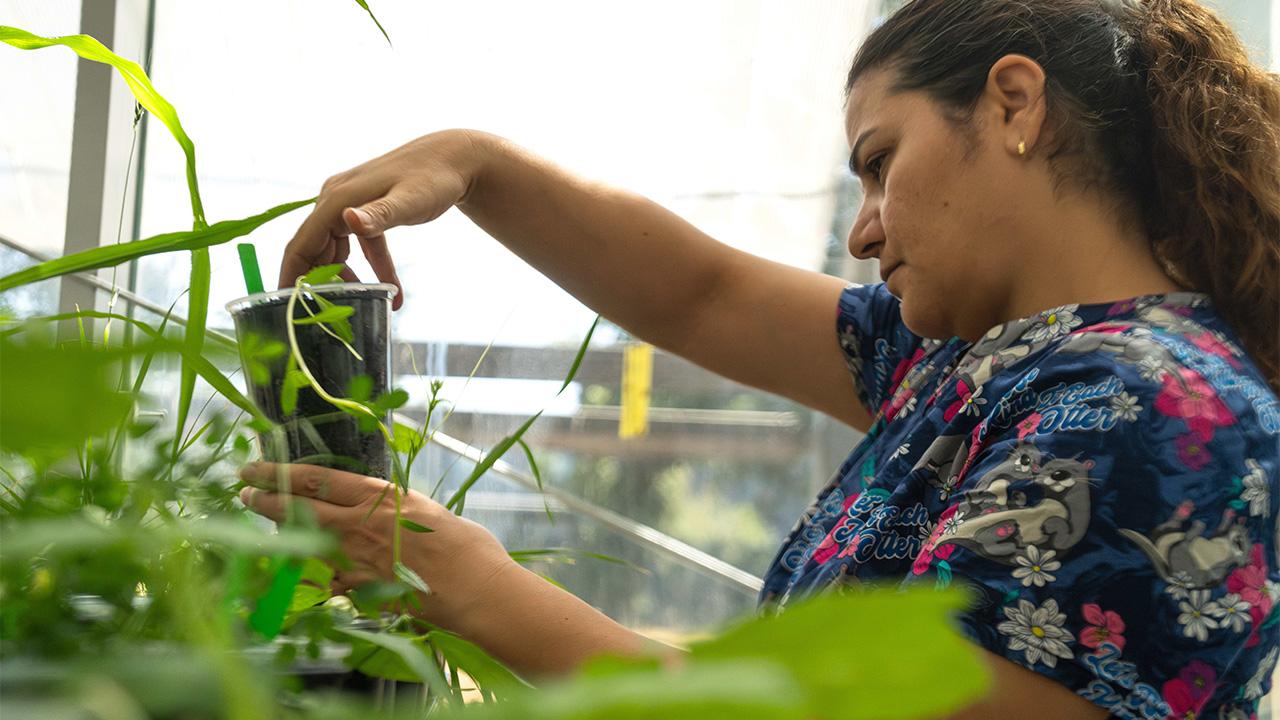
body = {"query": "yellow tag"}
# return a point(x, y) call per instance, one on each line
point(637, 382)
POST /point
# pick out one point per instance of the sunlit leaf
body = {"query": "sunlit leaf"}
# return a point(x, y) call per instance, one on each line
point(323, 274)
point(110, 255)
point(391, 400)
point(896, 634)
point(313, 585)
point(741, 690)
point(327, 315)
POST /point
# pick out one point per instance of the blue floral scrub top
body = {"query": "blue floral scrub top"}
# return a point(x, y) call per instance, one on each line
point(1103, 477)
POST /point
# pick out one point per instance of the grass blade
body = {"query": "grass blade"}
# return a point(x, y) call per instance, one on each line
point(193, 341)
point(365, 5)
point(487, 462)
point(577, 360)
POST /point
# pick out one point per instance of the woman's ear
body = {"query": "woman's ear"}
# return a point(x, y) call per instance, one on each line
point(1015, 99)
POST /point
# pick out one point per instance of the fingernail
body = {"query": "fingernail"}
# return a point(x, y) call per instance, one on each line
point(248, 471)
point(364, 217)
point(244, 496)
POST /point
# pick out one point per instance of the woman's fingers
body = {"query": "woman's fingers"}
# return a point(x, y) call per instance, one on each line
point(375, 251)
point(311, 481)
point(272, 505)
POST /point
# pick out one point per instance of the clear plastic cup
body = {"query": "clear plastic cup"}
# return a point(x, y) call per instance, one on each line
point(317, 433)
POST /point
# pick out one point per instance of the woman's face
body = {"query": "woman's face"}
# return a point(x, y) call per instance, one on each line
point(938, 208)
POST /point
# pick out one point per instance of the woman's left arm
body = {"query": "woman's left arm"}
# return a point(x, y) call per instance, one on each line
point(477, 590)
point(532, 626)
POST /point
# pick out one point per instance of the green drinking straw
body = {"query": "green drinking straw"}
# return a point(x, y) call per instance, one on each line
point(249, 266)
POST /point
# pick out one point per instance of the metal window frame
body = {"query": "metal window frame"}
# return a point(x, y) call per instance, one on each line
point(105, 157)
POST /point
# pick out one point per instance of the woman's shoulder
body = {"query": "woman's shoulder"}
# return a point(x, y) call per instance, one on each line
point(1180, 358)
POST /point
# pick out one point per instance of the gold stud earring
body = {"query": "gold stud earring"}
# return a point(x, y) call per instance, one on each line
point(1022, 147)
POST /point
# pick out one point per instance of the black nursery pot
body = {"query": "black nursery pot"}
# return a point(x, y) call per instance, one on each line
point(317, 433)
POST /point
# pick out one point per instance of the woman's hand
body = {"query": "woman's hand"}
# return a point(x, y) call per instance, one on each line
point(459, 560)
point(410, 185)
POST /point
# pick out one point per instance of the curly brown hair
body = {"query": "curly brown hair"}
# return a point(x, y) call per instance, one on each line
point(1153, 103)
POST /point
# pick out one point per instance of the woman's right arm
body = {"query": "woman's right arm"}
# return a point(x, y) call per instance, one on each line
point(758, 322)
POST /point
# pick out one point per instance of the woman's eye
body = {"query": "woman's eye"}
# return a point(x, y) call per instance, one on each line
point(875, 166)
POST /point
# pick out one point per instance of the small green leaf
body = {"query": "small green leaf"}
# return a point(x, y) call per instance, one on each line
point(294, 380)
point(258, 372)
point(412, 526)
point(391, 400)
point(327, 315)
point(411, 578)
point(360, 387)
point(323, 274)
point(405, 439)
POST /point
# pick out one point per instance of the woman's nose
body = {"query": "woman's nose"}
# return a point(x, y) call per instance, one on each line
point(867, 235)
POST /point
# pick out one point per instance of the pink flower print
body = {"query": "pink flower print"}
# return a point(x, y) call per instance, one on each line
point(1200, 678)
point(1123, 307)
point(1188, 396)
point(1212, 344)
point(905, 365)
point(1183, 704)
point(1192, 452)
point(829, 547)
point(1106, 328)
point(1104, 627)
point(894, 405)
point(967, 400)
point(927, 555)
point(1256, 616)
point(1028, 425)
point(931, 549)
point(1250, 583)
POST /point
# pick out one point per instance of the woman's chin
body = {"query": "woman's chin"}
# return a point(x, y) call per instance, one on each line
point(923, 321)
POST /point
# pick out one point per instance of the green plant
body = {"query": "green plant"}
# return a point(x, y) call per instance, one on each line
point(137, 584)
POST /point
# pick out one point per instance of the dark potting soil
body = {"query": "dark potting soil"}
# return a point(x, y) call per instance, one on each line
point(317, 433)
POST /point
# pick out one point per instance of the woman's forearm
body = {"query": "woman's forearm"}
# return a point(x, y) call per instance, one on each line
point(539, 630)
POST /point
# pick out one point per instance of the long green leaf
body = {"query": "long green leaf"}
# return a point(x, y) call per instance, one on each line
point(109, 255)
point(139, 84)
point(413, 655)
point(537, 477)
point(365, 5)
point(577, 359)
point(197, 317)
point(489, 674)
point(488, 460)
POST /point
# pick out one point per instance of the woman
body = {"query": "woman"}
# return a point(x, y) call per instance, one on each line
point(1067, 378)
